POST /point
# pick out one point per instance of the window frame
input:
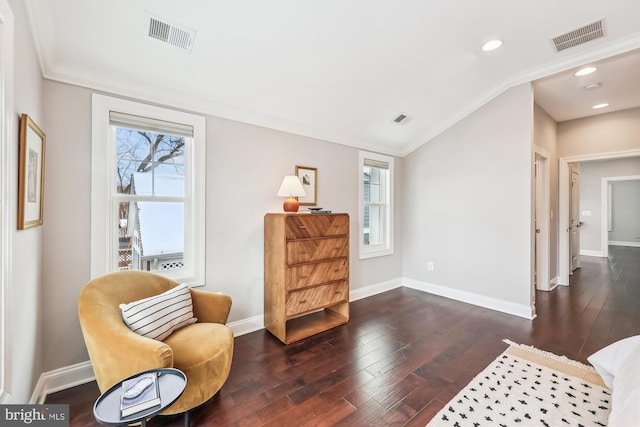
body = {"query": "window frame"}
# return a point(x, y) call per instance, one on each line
point(103, 192)
point(386, 248)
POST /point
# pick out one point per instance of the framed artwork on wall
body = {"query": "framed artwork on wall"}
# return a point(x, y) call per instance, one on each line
point(31, 174)
point(309, 179)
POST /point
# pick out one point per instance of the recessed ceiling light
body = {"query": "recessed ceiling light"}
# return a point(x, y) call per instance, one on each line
point(491, 45)
point(598, 106)
point(585, 71)
point(592, 86)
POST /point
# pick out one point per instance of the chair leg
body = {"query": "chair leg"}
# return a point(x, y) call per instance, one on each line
point(186, 419)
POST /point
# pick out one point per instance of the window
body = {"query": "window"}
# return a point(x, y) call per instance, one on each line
point(375, 205)
point(147, 207)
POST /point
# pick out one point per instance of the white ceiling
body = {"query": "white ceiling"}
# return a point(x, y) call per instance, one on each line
point(564, 96)
point(341, 70)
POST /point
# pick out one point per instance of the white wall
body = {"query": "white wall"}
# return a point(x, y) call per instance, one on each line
point(67, 227)
point(625, 212)
point(245, 165)
point(467, 204)
point(605, 133)
point(24, 294)
point(591, 174)
point(255, 159)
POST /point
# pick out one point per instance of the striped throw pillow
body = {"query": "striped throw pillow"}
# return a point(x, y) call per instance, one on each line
point(158, 316)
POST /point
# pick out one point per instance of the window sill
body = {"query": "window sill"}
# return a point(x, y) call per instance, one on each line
point(374, 253)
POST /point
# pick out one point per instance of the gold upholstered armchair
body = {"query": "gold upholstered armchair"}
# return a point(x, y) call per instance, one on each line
point(202, 350)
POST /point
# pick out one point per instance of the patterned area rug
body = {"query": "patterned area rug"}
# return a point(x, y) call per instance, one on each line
point(529, 387)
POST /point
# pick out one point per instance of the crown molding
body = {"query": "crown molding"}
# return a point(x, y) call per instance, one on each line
point(128, 90)
point(623, 45)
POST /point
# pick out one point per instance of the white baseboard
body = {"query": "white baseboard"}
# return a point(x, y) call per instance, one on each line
point(586, 252)
point(246, 326)
point(553, 283)
point(81, 373)
point(61, 379)
point(557, 281)
point(471, 298)
point(255, 323)
point(619, 243)
point(371, 290)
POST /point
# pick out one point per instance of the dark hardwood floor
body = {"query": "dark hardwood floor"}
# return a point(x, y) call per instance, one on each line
point(403, 354)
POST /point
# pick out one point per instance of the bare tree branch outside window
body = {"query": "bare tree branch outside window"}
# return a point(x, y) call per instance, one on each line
point(139, 151)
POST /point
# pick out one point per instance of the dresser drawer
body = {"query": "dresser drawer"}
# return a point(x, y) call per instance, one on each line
point(316, 225)
point(314, 274)
point(316, 250)
point(315, 298)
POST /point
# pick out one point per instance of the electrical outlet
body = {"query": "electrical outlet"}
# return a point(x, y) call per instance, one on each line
point(430, 266)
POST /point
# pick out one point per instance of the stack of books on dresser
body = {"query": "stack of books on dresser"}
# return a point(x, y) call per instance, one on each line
point(319, 210)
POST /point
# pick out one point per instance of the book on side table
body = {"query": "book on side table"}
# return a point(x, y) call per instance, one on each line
point(139, 394)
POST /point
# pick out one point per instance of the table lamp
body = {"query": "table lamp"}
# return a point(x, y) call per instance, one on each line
point(290, 188)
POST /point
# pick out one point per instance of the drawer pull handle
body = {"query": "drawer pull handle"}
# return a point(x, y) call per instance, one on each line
point(302, 226)
point(302, 301)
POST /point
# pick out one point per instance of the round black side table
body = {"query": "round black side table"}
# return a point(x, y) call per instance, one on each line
point(171, 383)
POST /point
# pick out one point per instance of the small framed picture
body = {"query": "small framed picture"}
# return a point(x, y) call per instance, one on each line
point(309, 179)
point(31, 174)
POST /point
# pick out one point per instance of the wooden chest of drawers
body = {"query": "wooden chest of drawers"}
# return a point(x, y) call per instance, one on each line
point(306, 274)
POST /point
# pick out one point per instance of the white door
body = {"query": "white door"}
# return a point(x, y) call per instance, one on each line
point(574, 217)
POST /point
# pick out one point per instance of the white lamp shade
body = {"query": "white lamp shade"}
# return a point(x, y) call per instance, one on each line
point(291, 186)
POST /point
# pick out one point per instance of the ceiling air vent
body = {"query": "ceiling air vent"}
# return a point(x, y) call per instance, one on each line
point(401, 119)
point(581, 35)
point(174, 35)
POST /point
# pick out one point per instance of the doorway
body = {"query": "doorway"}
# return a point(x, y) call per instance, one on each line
point(563, 204)
point(607, 209)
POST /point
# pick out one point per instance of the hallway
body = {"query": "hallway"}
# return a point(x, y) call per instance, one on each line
point(601, 305)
